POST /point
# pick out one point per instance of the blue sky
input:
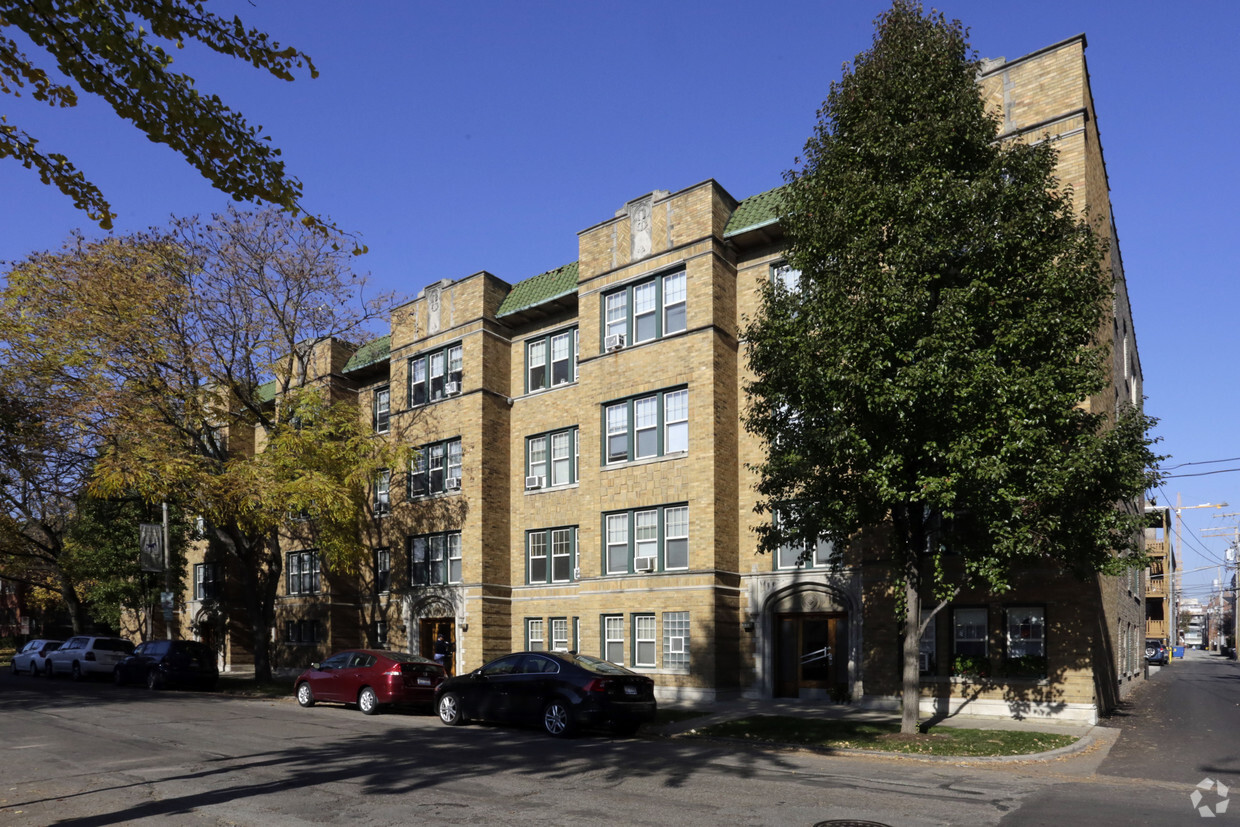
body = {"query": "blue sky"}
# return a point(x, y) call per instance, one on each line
point(457, 137)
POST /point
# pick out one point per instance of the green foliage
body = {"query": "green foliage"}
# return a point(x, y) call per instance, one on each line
point(929, 371)
point(117, 49)
point(971, 666)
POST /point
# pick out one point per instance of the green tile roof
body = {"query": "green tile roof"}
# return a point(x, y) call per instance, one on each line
point(370, 353)
point(756, 211)
point(544, 287)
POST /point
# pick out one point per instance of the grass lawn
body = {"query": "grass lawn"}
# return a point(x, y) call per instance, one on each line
point(250, 688)
point(843, 734)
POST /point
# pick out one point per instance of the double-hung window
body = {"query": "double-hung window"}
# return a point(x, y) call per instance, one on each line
point(302, 631)
point(1026, 631)
point(552, 457)
point(551, 360)
point(383, 570)
point(644, 641)
point(970, 632)
point(645, 310)
point(383, 493)
point(535, 634)
point(435, 375)
point(801, 556)
point(559, 634)
point(551, 555)
point(435, 559)
point(206, 581)
point(303, 572)
point(435, 468)
point(787, 278)
point(647, 426)
point(646, 540)
point(613, 638)
point(383, 410)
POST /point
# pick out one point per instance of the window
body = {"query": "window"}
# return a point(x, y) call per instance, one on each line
point(206, 581)
point(926, 647)
point(435, 375)
point(646, 539)
point(552, 457)
point(786, 277)
point(552, 555)
point(644, 641)
point(302, 631)
point(383, 493)
point(970, 632)
point(646, 310)
point(435, 469)
point(676, 641)
point(535, 635)
point(383, 410)
point(559, 634)
point(798, 556)
point(383, 570)
point(613, 639)
point(551, 360)
point(303, 572)
point(1026, 631)
point(646, 426)
point(435, 559)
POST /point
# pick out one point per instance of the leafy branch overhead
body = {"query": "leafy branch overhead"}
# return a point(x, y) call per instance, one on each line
point(117, 49)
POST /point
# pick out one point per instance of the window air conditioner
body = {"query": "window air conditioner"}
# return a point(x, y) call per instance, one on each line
point(614, 342)
point(643, 564)
point(532, 483)
point(577, 573)
point(452, 388)
point(454, 483)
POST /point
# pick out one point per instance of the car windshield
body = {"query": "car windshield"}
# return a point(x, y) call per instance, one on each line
point(603, 667)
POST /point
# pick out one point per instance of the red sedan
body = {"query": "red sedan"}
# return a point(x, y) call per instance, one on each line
point(370, 678)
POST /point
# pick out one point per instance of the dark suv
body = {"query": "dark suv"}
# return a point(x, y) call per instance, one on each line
point(1155, 651)
point(160, 663)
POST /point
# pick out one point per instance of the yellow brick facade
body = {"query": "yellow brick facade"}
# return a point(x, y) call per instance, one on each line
point(727, 621)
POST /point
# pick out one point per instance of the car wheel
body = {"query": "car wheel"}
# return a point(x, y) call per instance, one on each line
point(14, 667)
point(34, 669)
point(557, 719)
point(154, 680)
point(47, 670)
point(450, 711)
point(305, 695)
point(77, 671)
point(367, 701)
point(118, 677)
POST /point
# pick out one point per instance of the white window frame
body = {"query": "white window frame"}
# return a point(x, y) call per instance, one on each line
point(441, 559)
point(676, 641)
point(432, 466)
point(627, 421)
point(383, 493)
point(965, 625)
point(535, 634)
point(613, 638)
point(553, 455)
point(304, 566)
point(645, 641)
point(432, 371)
point(1020, 631)
point(627, 537)
point(559, 634)
point(659, 303)
point(383, 409)
point(383, 570)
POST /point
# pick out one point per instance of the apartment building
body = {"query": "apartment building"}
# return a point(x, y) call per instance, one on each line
point(582, 477)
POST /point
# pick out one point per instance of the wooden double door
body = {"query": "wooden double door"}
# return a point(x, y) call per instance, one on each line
point(811, 653)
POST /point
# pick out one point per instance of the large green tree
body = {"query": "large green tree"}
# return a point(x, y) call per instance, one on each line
point(192, 357)
point(929, 373)
point(119, 50)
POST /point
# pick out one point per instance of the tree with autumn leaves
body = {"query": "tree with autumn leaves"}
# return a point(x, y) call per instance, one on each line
point(923, 380)
point(183, 362)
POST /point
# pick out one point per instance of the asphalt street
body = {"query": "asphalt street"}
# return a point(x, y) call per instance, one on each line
point(95, 754)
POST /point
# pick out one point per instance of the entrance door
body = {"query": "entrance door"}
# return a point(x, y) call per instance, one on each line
point(811, 653)
point(428, 633)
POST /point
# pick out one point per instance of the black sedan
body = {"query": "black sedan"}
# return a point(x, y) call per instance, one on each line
point(160, 663)
point(558, 691)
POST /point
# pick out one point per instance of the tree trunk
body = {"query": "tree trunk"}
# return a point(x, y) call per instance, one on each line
point(911, 698)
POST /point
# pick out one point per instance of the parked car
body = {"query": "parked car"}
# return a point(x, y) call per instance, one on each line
point(160, 663)
point(370, 678)
point(87, 655)
point(1155, 651)
point(33, 656)
point(558, 691)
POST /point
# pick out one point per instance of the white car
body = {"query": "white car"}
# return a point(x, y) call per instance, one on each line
point(87, 655)
point(33, 656)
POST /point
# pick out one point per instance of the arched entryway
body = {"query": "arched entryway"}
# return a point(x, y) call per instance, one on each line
point(810, 644)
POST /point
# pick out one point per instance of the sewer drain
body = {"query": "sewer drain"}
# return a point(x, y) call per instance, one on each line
point(850, 822)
